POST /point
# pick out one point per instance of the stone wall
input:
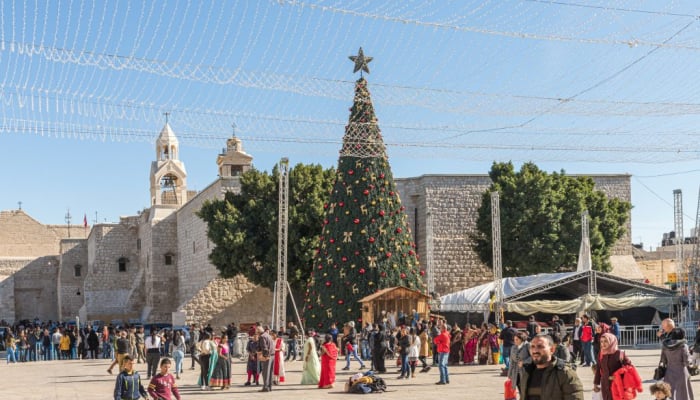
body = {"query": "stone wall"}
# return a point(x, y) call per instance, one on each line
point(8, 267)
point(22, 236)
point(195, 270)
point(35, 289)
point(452, 201)
point(161, 277)
point(72, 271)
point(223, 301)
point(108, 291)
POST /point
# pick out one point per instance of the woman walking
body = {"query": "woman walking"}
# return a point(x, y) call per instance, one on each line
point(221, 375)
point(413, 352)
point(329, 356)
point(178, 351)
point(311, 368)
point(207, 360)
point(278, 367)
point(380, 349)
point(519, 356)
point(675, 356)
point(609, 361)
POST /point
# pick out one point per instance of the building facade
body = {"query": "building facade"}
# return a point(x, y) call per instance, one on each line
point(149, 265)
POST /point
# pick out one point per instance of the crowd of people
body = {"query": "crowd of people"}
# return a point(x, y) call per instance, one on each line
point(533, 361)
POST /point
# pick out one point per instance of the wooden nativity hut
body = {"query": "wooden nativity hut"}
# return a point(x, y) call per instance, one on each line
point(398, 299)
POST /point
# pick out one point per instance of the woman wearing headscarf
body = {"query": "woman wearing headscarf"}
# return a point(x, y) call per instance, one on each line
point(380, 349)
point(519, 356)
point(675, 356)
point(600, 329)
point(610, 360)
point(311, 368)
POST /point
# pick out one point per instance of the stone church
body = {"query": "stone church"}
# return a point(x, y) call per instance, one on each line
point(150, 265)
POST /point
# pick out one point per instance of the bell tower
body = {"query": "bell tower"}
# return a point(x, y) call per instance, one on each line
point(233, 161)
point(168, 174)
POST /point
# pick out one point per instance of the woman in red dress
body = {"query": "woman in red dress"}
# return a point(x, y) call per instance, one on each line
point(329, 355)
point(278, 369)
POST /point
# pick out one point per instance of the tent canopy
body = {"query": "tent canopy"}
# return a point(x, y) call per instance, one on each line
point(565, 292)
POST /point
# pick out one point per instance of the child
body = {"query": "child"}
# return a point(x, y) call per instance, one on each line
point(163, 384)
point(661, 391)
point(252, 365)
point(128, 385)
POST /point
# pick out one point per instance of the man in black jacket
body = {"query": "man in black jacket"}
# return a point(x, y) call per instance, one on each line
point(548, 378)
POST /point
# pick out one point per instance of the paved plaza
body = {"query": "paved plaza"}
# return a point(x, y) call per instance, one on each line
point(88, 379)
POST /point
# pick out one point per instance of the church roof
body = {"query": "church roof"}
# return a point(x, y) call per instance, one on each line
point(167, 135)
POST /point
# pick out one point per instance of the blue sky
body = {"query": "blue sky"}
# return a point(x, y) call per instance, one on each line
point(585, 86)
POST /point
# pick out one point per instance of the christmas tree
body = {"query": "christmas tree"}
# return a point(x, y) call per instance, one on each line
point(365, 244)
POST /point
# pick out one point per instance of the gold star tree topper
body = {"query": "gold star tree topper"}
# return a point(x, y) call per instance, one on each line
point(360, 61)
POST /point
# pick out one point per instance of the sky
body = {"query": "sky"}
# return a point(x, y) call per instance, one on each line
point(588, 87)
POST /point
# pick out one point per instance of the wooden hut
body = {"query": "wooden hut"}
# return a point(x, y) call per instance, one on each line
point(396, 299)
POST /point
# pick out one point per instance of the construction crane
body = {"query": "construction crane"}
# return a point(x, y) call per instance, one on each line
point(281, 285)
point(681, 271)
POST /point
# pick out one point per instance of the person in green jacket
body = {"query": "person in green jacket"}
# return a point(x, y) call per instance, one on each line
point(548, 378)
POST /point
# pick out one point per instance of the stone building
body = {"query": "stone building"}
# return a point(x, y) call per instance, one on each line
point(149, 265)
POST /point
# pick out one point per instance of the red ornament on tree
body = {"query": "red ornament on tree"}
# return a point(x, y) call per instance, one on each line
point(399, 230)
point(388, 254)
point(328, 283)
point(371, 240)
point(381, 175)
point(422, 273)
point(361, 271)
point(340, 204)
point(381, 213)
point(365, 192)
point(403, 276)
point(340, 301)
point(356, 221)
point(331, 240)
point(350, 172)
point(383, 274)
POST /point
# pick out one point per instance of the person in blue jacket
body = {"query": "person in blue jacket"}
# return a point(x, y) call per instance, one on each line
point(128, 385)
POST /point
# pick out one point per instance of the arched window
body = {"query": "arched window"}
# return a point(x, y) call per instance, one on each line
point(76, 270)
point(122, 264)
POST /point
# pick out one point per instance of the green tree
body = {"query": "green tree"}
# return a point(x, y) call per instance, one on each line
point(541, 220)
point(243, 227)
point(365, 243)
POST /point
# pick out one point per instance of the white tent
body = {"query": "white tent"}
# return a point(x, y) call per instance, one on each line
point(565, 292)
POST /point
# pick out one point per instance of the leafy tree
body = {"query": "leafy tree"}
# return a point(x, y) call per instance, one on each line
point(365, 243)
point(541, 220)
point(243, 227)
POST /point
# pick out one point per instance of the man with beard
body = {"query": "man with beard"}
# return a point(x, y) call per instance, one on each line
point(548, 378)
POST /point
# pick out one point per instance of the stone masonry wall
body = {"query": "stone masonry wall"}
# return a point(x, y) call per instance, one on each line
point(8, 267)
point(22, 236)
point(35, 288)
point(223, 301)
point(162, 279)
point(70, 287)
point(195, 269)
point(452, 202)
point(107, 290)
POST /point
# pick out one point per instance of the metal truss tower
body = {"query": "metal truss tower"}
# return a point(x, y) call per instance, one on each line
point(281, 286)
point(694, 267)
point(681, 270)
point(497, 264)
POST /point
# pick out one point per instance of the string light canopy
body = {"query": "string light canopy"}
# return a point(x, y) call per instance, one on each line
point(604, 81)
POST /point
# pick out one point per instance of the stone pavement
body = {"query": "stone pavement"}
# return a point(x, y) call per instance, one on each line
point(88, 379)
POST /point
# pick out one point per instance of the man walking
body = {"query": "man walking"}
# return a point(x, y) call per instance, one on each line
point(578, 348)
point(548, 378)
point(508, 339)
point(152, 344)
point(265, 357)
point(350, 341)
point(442, 344)
point(122, 351)
point(292, 334)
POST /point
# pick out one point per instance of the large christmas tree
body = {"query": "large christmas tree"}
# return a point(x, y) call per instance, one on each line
point(365, 244)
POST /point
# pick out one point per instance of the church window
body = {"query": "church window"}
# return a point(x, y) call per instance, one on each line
point(122, 264)
point(138, 244)
point(194, 249)
point(76, 270)
point(168, 259)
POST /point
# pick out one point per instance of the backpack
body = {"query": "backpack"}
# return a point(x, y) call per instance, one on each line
point(378, 384)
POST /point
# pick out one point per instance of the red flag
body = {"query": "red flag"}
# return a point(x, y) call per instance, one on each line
point(85, 220)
